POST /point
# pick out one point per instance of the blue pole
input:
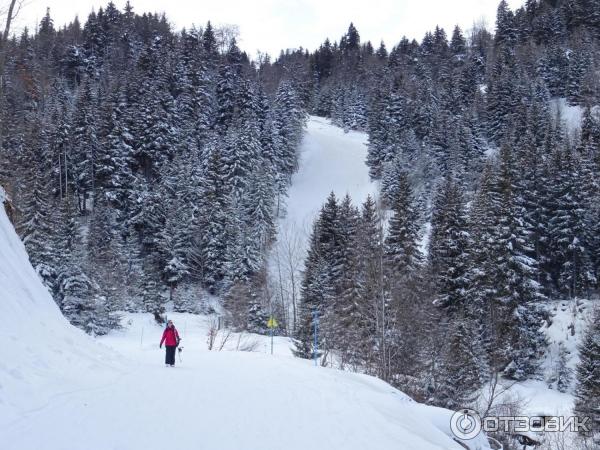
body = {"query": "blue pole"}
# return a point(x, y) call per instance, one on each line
point(316, 324)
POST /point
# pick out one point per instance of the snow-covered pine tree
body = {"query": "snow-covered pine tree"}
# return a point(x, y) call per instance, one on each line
point(85, 142)
point(403, 256)
point(153, 106)
point(346, 301)
point(79, 297)
point(587, 391)
point(573, 273)
point(36, 222)
point(460, 376)
point(316, 292)
point(504, 282)
point(227, 87)
point(564, 374)
point(104, 254)
point(209, 245)
point(448, 247)
point(370, 286)
point(289, 121)
point(115, 155)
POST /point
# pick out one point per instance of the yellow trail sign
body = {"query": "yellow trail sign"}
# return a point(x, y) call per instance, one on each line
point(272, 322)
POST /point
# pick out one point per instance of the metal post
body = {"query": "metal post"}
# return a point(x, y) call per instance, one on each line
point(316, 333)
point(66, 178)
point(60, 176)
point(271, 322)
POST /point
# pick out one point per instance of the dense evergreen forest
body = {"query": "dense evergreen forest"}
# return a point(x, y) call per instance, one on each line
point(141, 159)
point(148, 166)
point(479, 161)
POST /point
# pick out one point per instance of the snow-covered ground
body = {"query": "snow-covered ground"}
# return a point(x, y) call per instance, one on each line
point(63, 390)
point(223, 399)
point(571, 116)
point(330, 160)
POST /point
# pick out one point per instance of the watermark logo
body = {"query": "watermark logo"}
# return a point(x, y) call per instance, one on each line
point(466, 424)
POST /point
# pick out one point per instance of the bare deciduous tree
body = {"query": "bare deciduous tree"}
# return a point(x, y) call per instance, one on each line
point(225, 34)
point(246, 343)
point(289, 259)
point(11, 12)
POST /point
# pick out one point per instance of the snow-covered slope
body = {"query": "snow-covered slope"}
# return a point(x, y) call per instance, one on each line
point(569, 319)
point(62, 390)
point(228, 400)
point(41, 355)
point(570, 116)
point(330, 160)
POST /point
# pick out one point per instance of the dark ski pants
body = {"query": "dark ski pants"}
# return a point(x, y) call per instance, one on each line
point(170, 355)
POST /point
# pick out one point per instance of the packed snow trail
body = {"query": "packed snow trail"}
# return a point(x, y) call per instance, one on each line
point(330, 160)
point(63, 390)
point(227, 400)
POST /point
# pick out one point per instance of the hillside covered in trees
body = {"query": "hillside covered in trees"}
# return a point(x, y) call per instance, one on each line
point(487, 149)
point(150, 165)
point(141, 159)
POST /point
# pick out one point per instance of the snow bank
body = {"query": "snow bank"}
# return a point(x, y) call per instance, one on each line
point(41, 355)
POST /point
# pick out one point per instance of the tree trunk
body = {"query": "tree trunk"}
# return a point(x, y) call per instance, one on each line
point(9, 18)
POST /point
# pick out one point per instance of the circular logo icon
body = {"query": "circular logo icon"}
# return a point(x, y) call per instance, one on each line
point(465, 424)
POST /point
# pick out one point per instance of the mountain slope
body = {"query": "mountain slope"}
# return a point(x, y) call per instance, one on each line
point(330, 161)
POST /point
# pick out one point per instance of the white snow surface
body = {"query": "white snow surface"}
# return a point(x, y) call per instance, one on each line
point(569, 320)
point(42, 355)
point(571, 116)
point(63, 390)
point(330, 160)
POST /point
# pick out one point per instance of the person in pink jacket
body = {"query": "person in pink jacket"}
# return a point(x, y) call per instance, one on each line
point(171, 340)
